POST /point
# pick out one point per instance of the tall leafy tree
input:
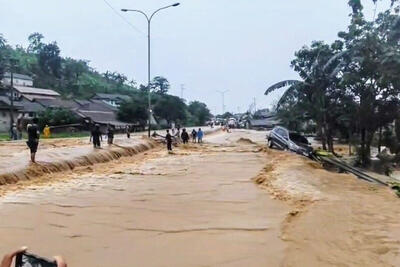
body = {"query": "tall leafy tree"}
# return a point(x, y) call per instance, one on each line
point(200, 112)
point(50, 60)
point(366, 78)
point(171, 108)
point(134, 111)
point(3, 47)
point(160, 85)
point(35, 43)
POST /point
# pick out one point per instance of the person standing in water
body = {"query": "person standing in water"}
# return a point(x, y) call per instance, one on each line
point(96, 136)
point(33, 138)
point(110, 135)
point(168, 137)
point(194, 135)
point(185, 136)
point(128, 132)
point(200, 135)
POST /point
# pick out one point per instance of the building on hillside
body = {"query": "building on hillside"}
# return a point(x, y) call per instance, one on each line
point(18, 79)
point(30, 109)
point(57, 103)
point(32, 93)
point(98, 112)
point(5, 116)
point(26, 97)
point(114, 100)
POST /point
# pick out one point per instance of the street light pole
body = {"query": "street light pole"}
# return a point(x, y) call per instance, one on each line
point(11, 69)
point(149, 19)
point(223, 99)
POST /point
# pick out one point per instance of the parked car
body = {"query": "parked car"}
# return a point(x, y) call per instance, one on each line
point(282, 138)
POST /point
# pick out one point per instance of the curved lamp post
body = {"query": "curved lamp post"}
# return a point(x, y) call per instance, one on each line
point(149, 18)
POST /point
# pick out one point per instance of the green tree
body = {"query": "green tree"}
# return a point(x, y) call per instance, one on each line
point(3, 47)
point(366, 78)
point(316, 96)
point(35, 43)
point(199, 112)
point(160, 85)
point(50, 60)
point(171, 108)
point(57, 117)
point(134, 111)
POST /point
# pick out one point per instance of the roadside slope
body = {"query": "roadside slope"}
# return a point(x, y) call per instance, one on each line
point(336, 219)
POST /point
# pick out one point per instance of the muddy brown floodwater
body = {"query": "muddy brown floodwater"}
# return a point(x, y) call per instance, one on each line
point(196, 207)
point(229, 202)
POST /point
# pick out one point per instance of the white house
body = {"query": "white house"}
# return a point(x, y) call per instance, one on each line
point(18, 79)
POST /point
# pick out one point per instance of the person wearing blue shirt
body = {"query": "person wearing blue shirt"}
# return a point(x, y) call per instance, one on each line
point(200, 135)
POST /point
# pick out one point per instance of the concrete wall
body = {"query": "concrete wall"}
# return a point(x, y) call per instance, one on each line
point(18, 82)
point(5, 120)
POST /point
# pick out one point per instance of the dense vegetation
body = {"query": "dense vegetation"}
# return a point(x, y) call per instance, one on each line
point(76, 79)
point(350, 88)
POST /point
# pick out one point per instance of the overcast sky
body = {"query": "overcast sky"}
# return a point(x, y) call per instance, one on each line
point(208, 45)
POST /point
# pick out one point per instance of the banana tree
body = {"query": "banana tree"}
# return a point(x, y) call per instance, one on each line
point(315, 96)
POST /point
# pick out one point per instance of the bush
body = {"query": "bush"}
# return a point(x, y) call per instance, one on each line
point(57, 117)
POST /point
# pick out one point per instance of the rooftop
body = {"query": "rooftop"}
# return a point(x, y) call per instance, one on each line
point(35, 91)
point(111, 96)
point(57, 103)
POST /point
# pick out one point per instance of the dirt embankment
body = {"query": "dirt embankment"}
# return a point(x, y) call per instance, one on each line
point(95, 156)
point(58, 155)
point(336, 219)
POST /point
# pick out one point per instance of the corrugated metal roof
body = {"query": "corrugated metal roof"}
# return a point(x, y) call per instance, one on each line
point(57, 103)
point(111, 96)
point(29, 106)
point(35, 91)
point(36, 97)
point(101, 117)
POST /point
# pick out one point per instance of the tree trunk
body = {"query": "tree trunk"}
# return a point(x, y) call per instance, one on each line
point(323, 137)
point(380, 140)
point(350, 137)
point(362, 149)
point(329, 138)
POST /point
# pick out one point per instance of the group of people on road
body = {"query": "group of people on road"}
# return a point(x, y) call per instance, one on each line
point(96, 135)
point(197, 136)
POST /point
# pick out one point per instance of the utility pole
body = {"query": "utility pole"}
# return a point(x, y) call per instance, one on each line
point(182, 90)
point(11, 69)
point(12, 99)
point(223, 99)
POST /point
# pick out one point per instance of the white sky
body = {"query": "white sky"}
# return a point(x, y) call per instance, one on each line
point(239, 45)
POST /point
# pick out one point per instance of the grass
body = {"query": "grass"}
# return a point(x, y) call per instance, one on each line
point(4, 137)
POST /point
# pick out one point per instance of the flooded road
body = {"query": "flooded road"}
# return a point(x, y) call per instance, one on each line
point(196, 207)
point(228, 202)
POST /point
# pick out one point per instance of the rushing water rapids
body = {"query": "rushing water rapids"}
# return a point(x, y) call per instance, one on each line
point(201, 206)
point(105, 155)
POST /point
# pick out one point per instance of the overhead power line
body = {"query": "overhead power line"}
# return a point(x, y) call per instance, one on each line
point(122, 17)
